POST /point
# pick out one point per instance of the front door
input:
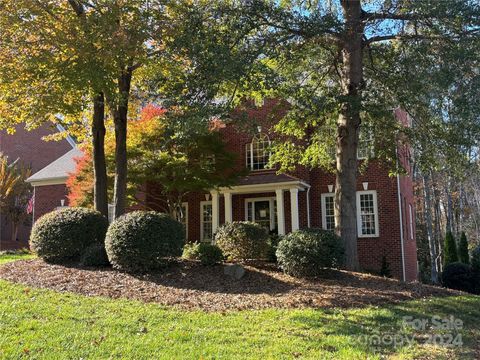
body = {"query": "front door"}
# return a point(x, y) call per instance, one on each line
point(261, 211)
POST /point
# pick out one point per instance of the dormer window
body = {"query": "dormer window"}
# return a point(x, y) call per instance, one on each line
point(257, 152)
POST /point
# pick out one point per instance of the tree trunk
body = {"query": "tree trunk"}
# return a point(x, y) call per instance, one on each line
point(14, 231)
point(120, 114)
point(100, 197)
point(348, 124)
point(428, 219)
point(449, 207)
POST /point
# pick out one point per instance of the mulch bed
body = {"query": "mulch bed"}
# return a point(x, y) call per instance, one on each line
point(189, 285)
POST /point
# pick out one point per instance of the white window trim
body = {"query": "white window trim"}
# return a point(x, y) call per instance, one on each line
point(324, 208)
point(202, 204)
point(370, 139)
point(359, 217)
point(249, 159)
point(272, 208)
point(411, 220)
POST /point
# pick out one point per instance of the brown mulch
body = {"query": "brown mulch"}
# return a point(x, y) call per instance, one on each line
point(189, 285)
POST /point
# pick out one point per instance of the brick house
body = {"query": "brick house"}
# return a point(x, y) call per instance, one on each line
point(304, 198)
point(29, 148)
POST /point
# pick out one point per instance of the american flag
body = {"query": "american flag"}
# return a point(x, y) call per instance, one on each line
point(30, 205)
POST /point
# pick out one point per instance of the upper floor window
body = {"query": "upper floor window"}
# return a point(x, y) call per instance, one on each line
point(365, 143)
point(257, 152)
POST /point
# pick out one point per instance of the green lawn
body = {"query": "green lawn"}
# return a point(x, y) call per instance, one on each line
point(44, 324)
point(4, 258)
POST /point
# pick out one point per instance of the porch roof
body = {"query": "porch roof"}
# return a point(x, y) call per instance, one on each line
point(266, 182)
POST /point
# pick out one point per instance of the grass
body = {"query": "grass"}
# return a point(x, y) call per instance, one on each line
point(43, 324)
point(12, 256)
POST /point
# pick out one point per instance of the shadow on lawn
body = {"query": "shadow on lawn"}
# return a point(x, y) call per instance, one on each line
point(387, 330)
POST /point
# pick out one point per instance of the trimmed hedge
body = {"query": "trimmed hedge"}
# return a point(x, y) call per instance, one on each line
point(242, 240)
point(63, 235)
point(141, 241)
point(306, 252)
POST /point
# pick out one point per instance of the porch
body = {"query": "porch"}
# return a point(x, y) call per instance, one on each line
point(261, 199)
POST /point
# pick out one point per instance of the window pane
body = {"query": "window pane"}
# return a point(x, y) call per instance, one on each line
point(207, 229)
point(257, 154)
point(367, 214)
point(329, 213)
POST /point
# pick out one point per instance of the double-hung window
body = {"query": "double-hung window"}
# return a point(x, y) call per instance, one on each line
point(367, 213)
point(257, 152)
point(206, 217)
point(365, 149)
point(328, 211)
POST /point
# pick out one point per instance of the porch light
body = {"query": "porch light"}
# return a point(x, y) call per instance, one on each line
point(207, 196)
point(365, 185)
point(259, 128)
point(62, 202)
point(330, 188)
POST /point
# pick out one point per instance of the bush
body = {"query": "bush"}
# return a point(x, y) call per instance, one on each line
point(95, 255)
point(207, 254)
point(242, 240)
point(306, 252)
point(273, 241)
point(459, 276)
point(141, 241)
point(190, 251)
point(63, 235)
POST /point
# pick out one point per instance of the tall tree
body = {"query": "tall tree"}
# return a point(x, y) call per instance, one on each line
point(348, 62)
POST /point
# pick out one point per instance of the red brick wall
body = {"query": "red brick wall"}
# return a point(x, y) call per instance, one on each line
point(32, 151)
point(47, 198)
point(371, 250)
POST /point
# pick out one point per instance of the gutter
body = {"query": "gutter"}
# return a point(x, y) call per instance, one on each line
point(401, 227)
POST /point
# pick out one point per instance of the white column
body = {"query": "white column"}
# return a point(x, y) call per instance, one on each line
point(228, 206)
point(215, 211)
point(294, 208)
point(280, 212)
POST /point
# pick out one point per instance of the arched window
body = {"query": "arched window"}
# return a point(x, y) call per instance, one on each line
point(257, 152)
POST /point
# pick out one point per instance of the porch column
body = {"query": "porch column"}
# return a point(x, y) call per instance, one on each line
point(228, 206)
point(294, 208)
point(215, 211)
point(280, 212)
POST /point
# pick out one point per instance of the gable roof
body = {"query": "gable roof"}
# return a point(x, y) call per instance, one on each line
point(57, 171)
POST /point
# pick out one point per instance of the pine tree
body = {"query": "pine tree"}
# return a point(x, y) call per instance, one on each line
point(450, 249)
point(463, 255)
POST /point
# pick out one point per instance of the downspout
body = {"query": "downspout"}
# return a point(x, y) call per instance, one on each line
point(33, 206)
point(401, 226)
point(308, 206)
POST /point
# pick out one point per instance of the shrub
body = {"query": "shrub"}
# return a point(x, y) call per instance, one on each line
point(450, 249)
point(385, 269)
point(63, 235)
point(191, 250)
point(141, 241)
point(306, 252)
point(95, 255)
point(242, 240)
point(459, 276)
point(209, 254)
point(463, 249)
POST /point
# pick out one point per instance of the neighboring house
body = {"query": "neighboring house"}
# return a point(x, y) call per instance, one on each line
point(305, 198)
point(29, 148)
point(49, 184)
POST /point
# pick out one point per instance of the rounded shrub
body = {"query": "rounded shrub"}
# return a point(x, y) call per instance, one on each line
point(95, 255)
point(191, 250)
point(242, 240)
point(141, 241)
point(209, 254)
point(306, 252)
point(459, 276)
point(63, 235)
